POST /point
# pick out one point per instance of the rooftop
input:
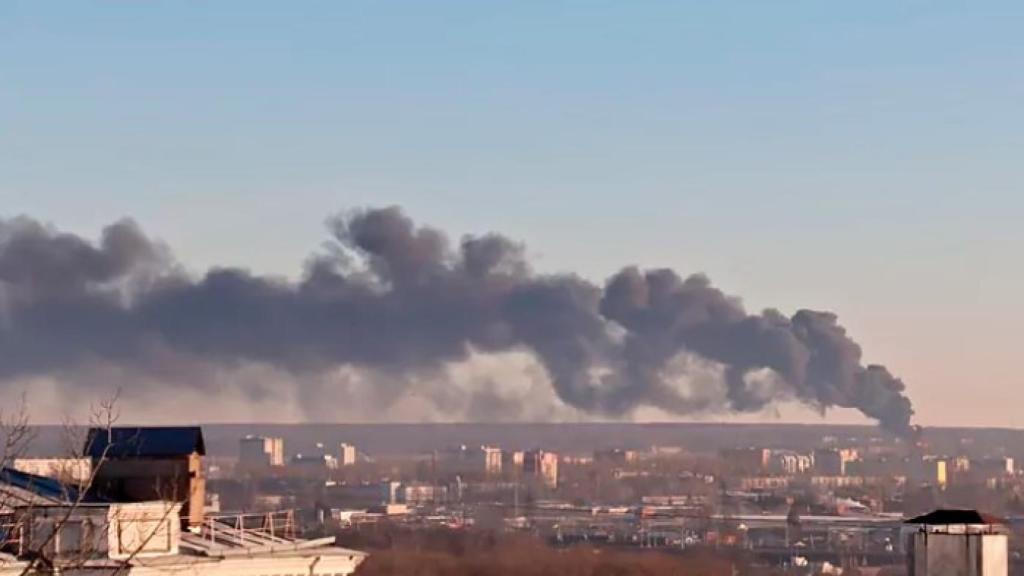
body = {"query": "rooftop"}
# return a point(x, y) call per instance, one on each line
point(145, 442)
point(947, 516)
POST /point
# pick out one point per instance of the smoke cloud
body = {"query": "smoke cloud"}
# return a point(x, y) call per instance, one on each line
point(402, 300)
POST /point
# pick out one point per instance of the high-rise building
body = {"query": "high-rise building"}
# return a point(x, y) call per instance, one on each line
point(347, 454)
point(492, 460)
point(260, 451)
point(543, 465)
point(275, 449)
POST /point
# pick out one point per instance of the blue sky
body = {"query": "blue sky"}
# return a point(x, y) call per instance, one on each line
point(860, 157)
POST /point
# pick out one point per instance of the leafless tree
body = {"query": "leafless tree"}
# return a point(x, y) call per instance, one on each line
point(20, 509)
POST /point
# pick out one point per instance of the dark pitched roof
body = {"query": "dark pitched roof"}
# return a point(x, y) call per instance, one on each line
point(48, 488)
point(144, 442)
point(947, 516)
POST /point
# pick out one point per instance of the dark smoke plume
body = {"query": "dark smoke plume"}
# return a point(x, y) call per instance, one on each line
point(390, 295)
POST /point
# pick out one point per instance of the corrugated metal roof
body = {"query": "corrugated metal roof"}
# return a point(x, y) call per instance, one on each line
point(144, 442)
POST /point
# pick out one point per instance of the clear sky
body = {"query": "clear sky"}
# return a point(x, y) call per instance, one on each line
point(863, 157)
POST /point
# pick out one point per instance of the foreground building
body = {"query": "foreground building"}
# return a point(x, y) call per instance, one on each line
point(142, 464)
point(957, 543)
point(132, 522)
point(144, 538)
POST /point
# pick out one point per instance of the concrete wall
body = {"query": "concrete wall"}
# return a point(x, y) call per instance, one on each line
point(117, 531)
point(939, 554)
point(64, 469)
point(137, 480)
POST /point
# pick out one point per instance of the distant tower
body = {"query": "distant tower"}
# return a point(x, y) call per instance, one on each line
point(492, 460)
point(957, 543)
point(542, 465)
point(259, 451)
point(347, 455)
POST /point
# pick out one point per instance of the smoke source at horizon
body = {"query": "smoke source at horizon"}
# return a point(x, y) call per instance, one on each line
point(397, 298)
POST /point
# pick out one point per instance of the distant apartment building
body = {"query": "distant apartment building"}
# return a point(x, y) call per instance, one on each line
point(790, 463)
point(745, 460)
point(421, 493)
point(762, 483)
point(877, 466)
point(314, 462)
point(512, 461)
point(941, 473)
point(361, 494)
point(474, 461)
point(994, 467)
point(960, 465)
point(833, 461)
point(346, 454)
point(493, 460)
point(833, 482)
point(542, 465)
point(614, 457)
point(929, 470)
point(260, 451)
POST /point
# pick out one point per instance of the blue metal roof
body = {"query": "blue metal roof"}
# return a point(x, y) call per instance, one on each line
point(40, 485)
point(144, 442)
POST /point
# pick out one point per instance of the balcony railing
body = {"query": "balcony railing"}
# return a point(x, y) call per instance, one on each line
point(249, 529)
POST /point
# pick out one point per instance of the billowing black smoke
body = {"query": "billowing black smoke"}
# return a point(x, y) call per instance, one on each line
point(399, 297)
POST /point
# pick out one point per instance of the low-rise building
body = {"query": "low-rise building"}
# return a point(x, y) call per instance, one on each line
point(421, 494)
point(751, 483)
